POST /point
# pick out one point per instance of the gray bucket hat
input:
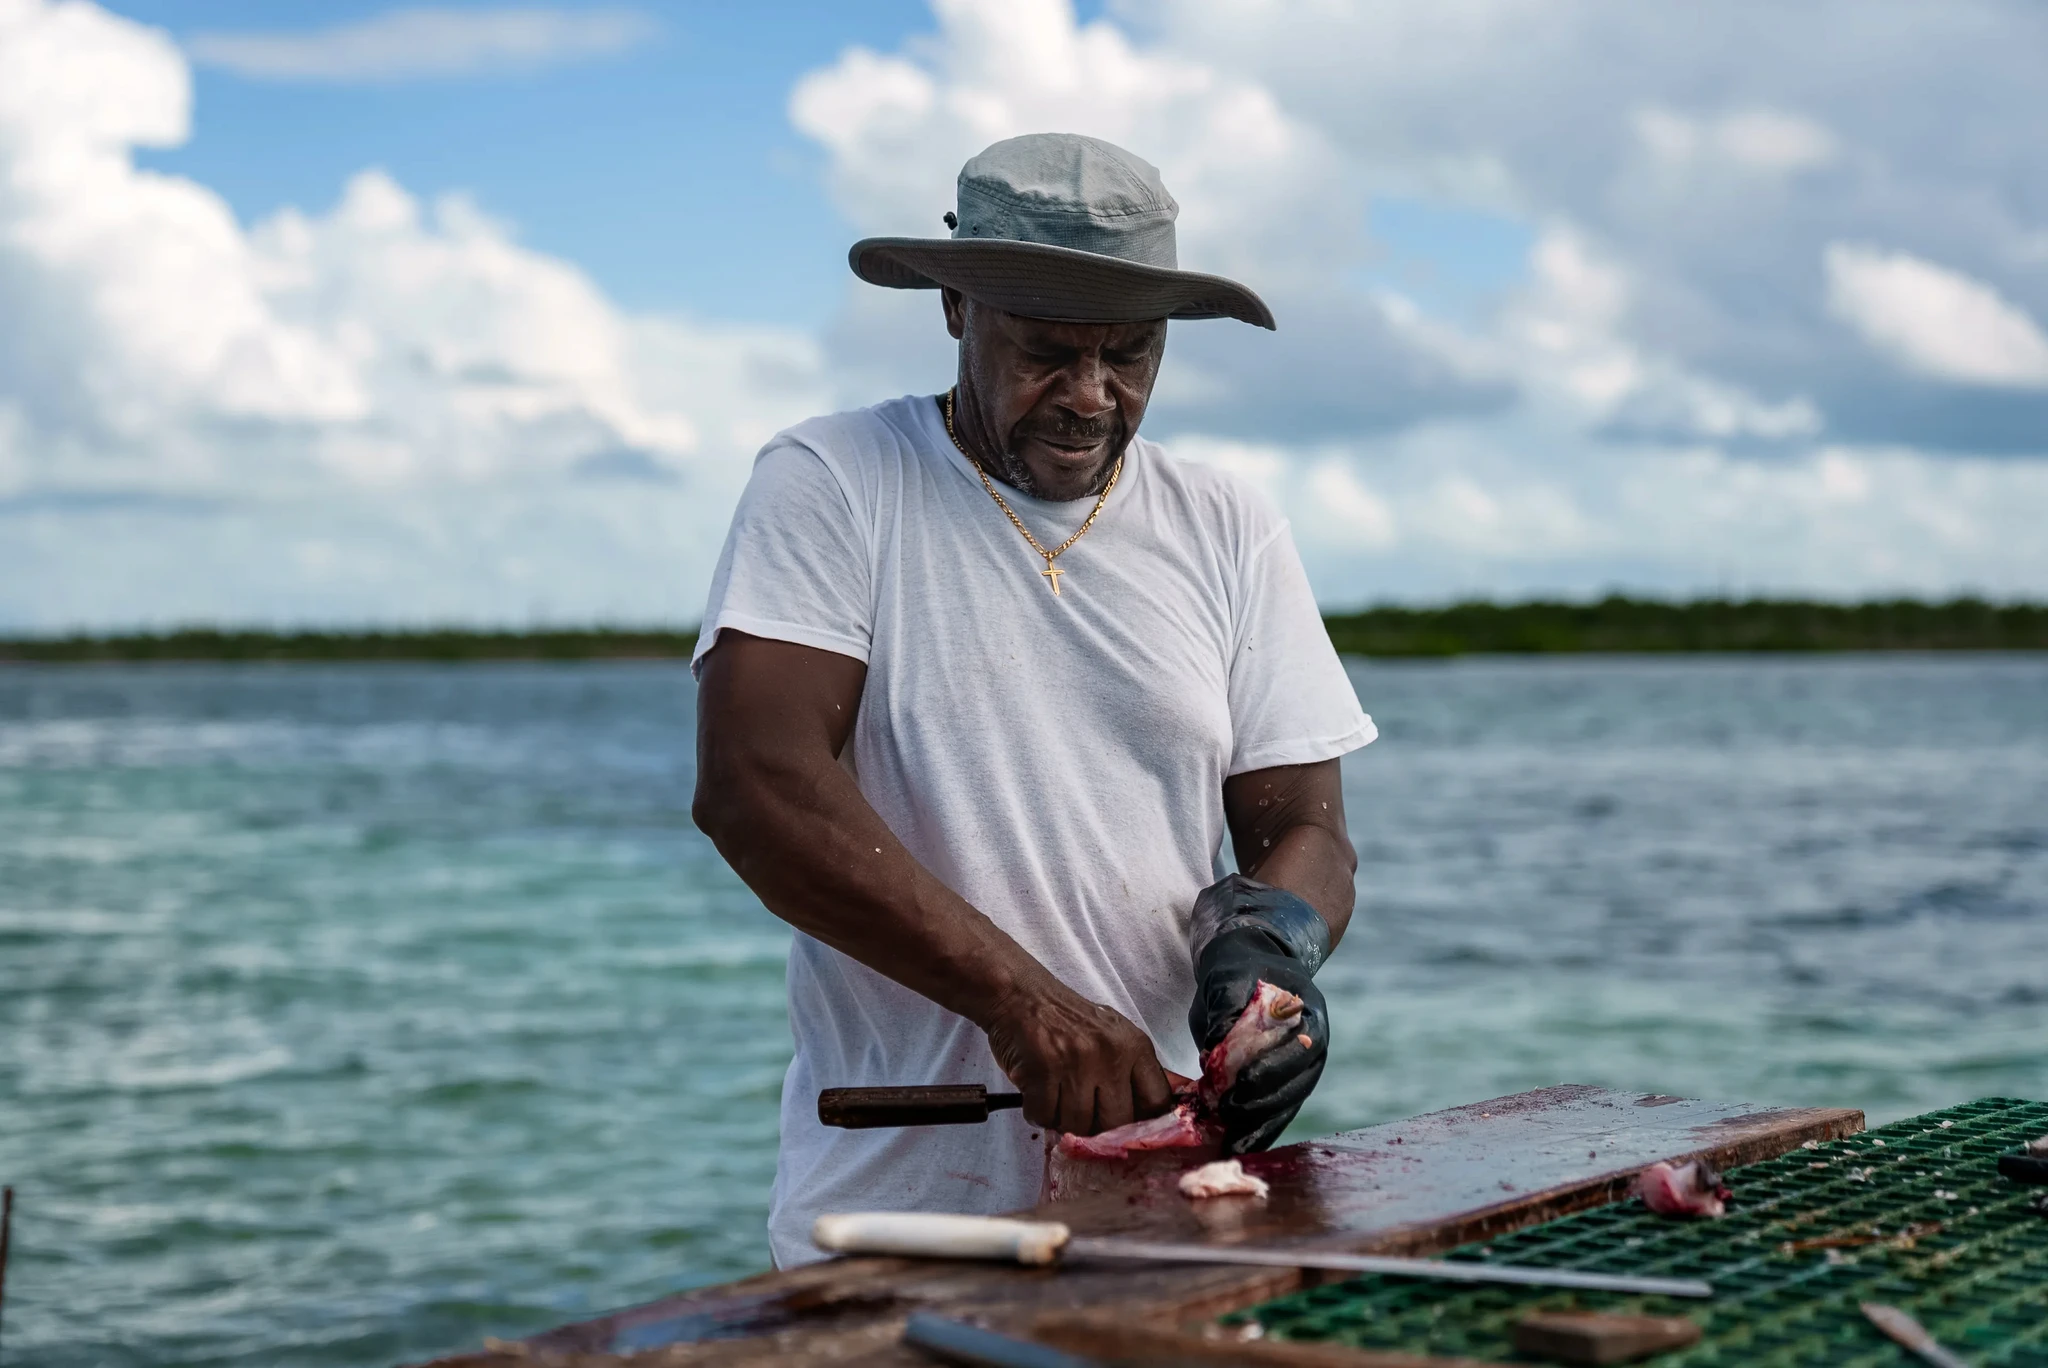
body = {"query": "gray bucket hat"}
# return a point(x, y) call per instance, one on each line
point(1058, 226)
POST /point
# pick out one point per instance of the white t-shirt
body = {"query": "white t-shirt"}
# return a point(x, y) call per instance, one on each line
point(1056, 761)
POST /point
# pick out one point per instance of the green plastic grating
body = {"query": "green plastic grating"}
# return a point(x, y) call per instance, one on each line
point(1959, 1247)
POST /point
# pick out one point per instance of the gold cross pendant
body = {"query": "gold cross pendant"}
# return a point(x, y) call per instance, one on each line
point(1052, 574)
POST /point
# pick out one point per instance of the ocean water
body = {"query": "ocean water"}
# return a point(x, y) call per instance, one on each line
point(348, 1015)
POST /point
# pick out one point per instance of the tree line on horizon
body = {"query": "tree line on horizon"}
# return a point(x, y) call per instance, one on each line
point(1617, 623)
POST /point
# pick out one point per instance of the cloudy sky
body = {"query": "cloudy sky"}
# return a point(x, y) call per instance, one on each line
point(479, 314)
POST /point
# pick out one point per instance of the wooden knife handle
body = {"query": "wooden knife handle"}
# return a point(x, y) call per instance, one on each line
point(945, 1104)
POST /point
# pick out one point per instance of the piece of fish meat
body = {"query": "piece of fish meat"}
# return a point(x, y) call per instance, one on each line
point(1224, 1178)
point(1689, 1189)
point(1270, 1020)
point(2038, 1148)
point(1181, 1128)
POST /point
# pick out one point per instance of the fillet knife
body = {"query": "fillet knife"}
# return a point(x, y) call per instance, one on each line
point(934, 1235)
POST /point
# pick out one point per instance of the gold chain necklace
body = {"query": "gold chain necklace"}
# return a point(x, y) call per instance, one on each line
point(1052, 572)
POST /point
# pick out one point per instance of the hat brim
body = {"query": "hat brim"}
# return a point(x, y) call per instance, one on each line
point(1063, 284)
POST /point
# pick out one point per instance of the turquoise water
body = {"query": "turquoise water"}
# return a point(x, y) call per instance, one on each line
point(348, 1015)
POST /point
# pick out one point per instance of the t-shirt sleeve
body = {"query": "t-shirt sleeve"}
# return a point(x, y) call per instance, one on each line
point(1290, 700)
point(795, 565)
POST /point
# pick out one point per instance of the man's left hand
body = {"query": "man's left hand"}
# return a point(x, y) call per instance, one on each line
point(1270, 1089)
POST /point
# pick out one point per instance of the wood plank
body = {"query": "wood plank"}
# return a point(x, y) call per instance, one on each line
point(1408, 1187)
point(1469, 1173)
point(1103, 1337)
point(1595, 1338)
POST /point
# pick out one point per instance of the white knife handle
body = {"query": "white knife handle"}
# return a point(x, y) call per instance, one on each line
point(935, 1235)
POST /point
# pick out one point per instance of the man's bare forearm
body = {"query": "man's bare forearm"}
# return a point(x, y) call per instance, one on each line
point(773, 798)
point(1317, 867)
point(772, 719)
point(1287, 827)
point(805, 839)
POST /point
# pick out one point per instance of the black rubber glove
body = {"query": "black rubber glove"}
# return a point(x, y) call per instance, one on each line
point(1244, 931)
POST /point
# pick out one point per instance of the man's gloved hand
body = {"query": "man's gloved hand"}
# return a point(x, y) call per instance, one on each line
point(1244, 931)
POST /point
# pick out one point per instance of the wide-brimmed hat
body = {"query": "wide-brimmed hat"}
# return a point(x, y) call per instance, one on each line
point(1058, 226)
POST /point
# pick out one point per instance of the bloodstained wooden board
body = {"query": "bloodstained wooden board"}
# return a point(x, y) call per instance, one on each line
point(1409, 1187)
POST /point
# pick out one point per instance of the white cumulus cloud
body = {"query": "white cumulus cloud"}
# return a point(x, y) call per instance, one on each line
point(1935, 321)
point(1757, 139)
point(416, 44)
point(1247, 175)
point(1569, 330)
point(1664, 398)
point(1264, 197)
point(130, 295)
point(1700, 376)
point(386, 408)
point(1712, 161)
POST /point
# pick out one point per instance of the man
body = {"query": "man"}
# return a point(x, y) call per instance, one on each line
point(984, 679)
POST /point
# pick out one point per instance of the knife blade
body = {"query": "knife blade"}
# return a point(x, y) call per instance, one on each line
point(924, 1234)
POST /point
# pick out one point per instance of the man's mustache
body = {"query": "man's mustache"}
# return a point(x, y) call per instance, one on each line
point(1069, 434)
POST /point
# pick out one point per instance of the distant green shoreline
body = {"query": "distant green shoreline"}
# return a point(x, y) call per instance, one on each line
point(1615, 624)
point(1618, 624)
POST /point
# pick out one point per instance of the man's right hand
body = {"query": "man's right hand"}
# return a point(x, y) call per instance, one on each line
point(1083, 1068)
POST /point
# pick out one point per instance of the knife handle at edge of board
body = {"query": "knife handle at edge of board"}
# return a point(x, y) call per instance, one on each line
point(943, 1104)
point(938, 1235)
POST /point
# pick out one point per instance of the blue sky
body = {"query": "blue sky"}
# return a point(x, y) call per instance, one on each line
point(362, 312)
point(668, 170)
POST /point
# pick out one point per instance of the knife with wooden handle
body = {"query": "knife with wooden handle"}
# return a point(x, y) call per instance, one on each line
point(944, 1104)
point(934, 1235)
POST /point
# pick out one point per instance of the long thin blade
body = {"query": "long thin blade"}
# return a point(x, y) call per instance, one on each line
point(1910, 1334)
point(1097, 1247)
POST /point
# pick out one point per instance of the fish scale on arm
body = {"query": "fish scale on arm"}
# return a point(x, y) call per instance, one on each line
point(1271, 1020)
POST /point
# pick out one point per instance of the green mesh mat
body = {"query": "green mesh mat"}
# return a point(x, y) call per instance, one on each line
point(1914, 1214)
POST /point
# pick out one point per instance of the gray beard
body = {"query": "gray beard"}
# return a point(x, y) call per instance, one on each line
point(1012, 471)
point(1009, 467)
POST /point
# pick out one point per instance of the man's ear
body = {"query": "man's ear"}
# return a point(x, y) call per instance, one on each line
point(955, 305)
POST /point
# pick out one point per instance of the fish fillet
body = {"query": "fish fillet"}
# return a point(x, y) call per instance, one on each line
point(1180, 1128)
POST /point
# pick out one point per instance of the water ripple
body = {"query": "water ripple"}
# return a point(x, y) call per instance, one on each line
point(348, 1015)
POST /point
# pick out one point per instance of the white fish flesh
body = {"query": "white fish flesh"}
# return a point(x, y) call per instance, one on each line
point(1224, 1178)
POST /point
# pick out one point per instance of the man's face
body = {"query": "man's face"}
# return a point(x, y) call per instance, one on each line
point(1052, 403)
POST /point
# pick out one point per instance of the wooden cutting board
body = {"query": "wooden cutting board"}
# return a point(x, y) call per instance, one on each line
point(1408, 1187)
